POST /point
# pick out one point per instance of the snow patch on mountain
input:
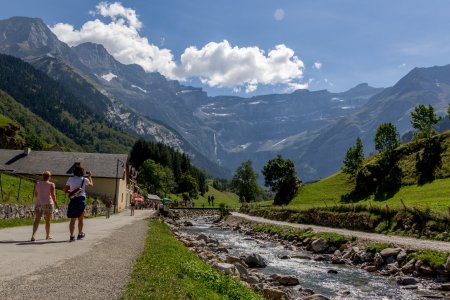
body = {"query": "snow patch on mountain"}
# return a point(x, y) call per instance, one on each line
point(108, 77)
point(139, 88)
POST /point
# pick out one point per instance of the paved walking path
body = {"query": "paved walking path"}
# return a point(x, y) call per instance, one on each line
point(409, 243)
point(94, 268)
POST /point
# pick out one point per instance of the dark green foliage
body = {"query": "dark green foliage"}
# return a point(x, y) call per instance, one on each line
point(280, 176)
point(354, 158)
point(428, 160)
point(166, 156)
point(245, 183)
point(188, 185)
point(434, 259)
point(50, 101)
point(33, 142)
point(220, 184)
point(386, 138)
point(424, 119)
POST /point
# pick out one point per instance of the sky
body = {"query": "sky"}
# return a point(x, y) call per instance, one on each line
point(252, 47)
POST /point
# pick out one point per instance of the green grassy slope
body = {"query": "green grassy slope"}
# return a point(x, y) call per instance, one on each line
point(228, 198)
point(435, 195)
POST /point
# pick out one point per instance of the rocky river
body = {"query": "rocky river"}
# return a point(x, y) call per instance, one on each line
point(278, 268)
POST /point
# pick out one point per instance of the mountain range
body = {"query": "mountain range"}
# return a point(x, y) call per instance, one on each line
point(313, 128)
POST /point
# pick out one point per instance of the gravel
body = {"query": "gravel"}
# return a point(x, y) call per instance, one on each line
point(101, 273)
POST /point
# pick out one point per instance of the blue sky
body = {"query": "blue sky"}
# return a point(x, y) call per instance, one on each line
point(251, 47)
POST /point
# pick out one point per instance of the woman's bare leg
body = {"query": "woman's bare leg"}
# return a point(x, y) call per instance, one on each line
point(72, 226)
point(80, 223)
point(37, 219)
point(48, 217)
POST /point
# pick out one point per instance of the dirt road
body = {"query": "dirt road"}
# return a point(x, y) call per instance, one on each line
point(94, 268)
point(405, 242)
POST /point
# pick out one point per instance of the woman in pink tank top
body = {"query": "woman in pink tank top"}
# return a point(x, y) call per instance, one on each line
point(45, 202)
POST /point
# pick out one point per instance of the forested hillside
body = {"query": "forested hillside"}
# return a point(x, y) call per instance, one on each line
point(32, 125)
point(47, 99)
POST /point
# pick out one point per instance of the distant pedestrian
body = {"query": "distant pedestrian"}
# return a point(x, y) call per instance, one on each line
point(45, 203)
point(212, 200)
point(76, 188)
point(95, 205)
point(132, 206)
point(108, 207)
point(209, 200)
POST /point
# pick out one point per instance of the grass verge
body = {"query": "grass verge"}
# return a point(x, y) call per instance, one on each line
point(168, 270)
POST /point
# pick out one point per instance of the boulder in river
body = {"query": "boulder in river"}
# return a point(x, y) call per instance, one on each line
point(390, 252)
point(255, 261)
point(286, 280)
point(274, 294)
point(405, 280)
point(243, 273)
point(319, 245)
point(408, 268)
point(226, 268)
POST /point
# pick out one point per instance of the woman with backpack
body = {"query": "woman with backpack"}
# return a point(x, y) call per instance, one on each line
point(76, 188)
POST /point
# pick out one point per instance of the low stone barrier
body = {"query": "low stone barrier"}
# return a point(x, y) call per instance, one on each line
point(15, 211)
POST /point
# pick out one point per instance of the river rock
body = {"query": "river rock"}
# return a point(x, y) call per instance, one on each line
point(319, 245)
point(378, 260)
point(243, 272)
point(226, 268)
point(331, 271)
point(405, 280)
point(286, 280)
point(188, 223)
point(255, 261)
point(426, 270)
point(233, 259)
point(203, 237)
point(370, 268)
point(444, 287)
point(401, 256)
point(315, 297)
point(390, 252)
point(408, 268)
point(284, 257)
point(252, 279)
point(274, 294)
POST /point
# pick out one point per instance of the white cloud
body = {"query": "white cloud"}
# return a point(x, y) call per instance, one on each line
point(221, 65)
point(216, 64)
point(317, 65)
point(279, 14)
point(120, 37)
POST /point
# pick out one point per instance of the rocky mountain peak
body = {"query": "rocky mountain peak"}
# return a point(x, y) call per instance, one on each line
point(25, 37)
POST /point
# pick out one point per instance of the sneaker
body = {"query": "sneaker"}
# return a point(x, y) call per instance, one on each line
point(81, 235)
point(72, 238)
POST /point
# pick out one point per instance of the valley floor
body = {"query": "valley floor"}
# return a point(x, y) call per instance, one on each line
point(405, 242)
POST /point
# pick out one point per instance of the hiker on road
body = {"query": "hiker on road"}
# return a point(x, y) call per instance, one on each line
point(45, 203)
point(76, 188)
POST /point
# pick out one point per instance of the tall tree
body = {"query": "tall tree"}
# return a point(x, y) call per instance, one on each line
point(354, 158)
point(387, 138)
point(280, 176)
point(423, 119)
point(245, 182)
point(149, 176)
point(188, 185)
